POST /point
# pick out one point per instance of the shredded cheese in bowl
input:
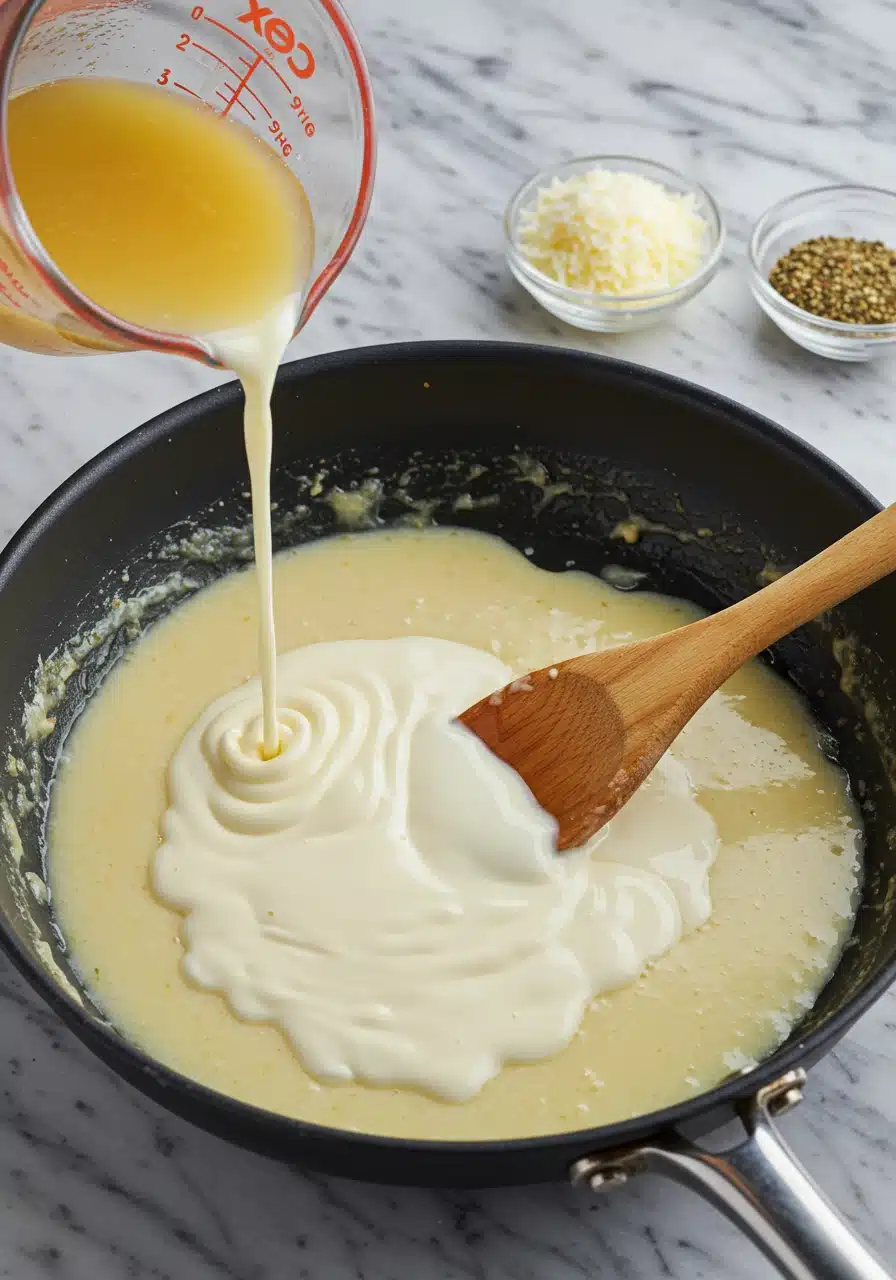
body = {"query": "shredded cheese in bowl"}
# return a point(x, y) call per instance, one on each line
point(612, 243)
point(613, 232)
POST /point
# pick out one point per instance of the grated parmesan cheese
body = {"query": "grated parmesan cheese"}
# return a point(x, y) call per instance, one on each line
point(613, 232)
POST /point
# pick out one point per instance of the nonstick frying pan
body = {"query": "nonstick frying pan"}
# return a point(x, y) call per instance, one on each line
point(552, 450)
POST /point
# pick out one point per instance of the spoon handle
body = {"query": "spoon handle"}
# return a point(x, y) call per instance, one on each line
point(859, 559)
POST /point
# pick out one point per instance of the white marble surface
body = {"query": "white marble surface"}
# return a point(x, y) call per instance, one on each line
point(758, 98)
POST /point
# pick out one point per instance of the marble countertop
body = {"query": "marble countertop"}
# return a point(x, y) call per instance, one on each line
point(758, 99)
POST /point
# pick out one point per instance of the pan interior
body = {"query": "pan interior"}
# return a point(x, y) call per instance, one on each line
point(670, 533)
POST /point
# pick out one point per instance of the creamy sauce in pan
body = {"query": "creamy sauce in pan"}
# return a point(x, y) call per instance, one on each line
point(782, 884)
point(387, 892)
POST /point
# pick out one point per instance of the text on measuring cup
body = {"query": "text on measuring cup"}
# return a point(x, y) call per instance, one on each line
point(281, 39)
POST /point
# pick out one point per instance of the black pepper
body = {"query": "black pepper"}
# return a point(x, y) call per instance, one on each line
point(840, 278)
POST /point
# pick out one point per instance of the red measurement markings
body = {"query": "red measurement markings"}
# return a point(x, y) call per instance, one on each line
point(10, 297)
point(233, 95)
point(242, 77)
point(235, 92)
point(165, 77)
point(14, 281)
point(249, 45)
point(245, 62)
point(233, 100)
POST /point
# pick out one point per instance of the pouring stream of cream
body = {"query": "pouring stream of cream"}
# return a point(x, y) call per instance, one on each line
point(254, 355)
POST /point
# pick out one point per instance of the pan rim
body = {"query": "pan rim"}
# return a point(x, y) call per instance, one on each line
point(141, 1066)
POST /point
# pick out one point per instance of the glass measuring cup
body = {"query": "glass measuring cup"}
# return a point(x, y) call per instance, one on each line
point(292, 71)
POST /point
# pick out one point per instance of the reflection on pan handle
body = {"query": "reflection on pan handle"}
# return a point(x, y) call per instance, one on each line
point(757, 1183)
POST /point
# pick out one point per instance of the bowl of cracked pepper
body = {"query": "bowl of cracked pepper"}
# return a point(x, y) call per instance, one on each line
point(823, 268)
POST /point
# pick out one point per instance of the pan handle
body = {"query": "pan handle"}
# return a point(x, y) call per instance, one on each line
point(759, 1184)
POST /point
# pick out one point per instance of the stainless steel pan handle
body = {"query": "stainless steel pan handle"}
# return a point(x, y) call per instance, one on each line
point(759, 1184)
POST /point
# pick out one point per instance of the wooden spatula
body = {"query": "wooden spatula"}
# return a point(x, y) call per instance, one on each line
point(586, 733)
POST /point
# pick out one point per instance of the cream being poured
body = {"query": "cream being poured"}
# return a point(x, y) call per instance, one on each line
point(254, 354)
point(387, 892)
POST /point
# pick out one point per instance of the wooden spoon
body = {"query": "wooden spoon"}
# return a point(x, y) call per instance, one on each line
point(585, 733)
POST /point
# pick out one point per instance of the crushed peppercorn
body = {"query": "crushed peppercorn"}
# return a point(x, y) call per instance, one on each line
point(840, 278)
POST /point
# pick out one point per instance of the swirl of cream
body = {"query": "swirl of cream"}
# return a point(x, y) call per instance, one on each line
point(331, 734)
point(385, 890)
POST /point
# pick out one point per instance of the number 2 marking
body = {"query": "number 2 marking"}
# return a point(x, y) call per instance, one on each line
point(183, 41)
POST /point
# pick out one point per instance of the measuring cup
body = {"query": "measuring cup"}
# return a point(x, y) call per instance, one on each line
point(290, 70)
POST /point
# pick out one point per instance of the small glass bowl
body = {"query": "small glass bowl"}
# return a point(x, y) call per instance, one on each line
point(867, 213)
point(610, 312)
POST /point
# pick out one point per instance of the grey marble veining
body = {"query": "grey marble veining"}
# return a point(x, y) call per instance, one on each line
point(758, 98)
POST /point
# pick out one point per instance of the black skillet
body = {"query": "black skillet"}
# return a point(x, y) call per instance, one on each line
point(571, 445)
